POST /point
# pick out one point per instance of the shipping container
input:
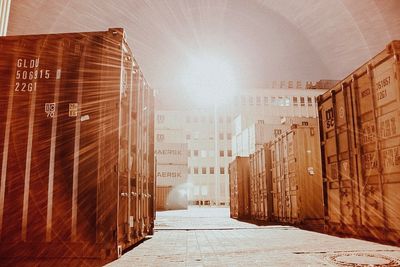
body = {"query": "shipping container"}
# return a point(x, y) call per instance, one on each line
point(172, 153)
point(360, 136)
point(170, 136)
point(171, 174)
point(297, 178)
point(76, 147)
point(239, 187)
point(256, 135)
point(261, 184)
point(171, 197)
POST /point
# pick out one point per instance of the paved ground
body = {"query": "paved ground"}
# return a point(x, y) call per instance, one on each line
point(208, 237)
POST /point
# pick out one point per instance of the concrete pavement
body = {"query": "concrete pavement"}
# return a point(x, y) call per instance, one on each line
point(208, 237)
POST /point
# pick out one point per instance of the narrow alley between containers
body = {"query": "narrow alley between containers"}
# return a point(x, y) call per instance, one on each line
point(199, 133)
point(204, 236)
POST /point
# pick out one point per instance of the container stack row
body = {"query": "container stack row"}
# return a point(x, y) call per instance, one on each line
point(76, 147)
point(343, 174)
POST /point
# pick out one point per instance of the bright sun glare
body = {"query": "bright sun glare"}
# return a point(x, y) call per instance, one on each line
point(209, 79)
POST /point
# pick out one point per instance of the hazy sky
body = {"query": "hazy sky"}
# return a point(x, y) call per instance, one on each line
point(262, 39)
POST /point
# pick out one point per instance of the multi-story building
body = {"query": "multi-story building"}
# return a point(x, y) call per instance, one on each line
point(208, 135)
point(269, 108)
point(171, 162)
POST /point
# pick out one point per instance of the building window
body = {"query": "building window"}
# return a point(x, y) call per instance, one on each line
point(265, 100)
point(222, 170)
point(188, 119)
point(221, 153)
point(196, 170)
point(302, 103)
point(273, 102)
point(229, 136)
point(287, 101)
point(280, 101)
point(260, 121)
point(211, 153)
point(229, 153)
point(188, 137)
point(295, 103)
point(277, 132)
point(258, 100)
point(196, 135)
point(309, 100)
point(221, 136)
point(211, 170)
point(160, 138)
point(189, 170)
point(203, 154)
point(196, 153)
point(204, 170)
point(251, 101)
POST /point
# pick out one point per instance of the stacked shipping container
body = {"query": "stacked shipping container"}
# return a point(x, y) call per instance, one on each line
point(239, 188)
point(360, 122)
point(76, 147)
point(356, 177)
point(261, 184)
point(296, 176)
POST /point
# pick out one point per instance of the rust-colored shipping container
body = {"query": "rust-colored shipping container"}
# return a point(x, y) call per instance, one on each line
point(297, 178)
point(162, 193)
point(171, 197)
point(239, 187)
point(360, 135)
point(76, 147)
point(261, 184)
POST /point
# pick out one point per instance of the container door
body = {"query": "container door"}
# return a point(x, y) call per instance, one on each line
point(340, 160)
point(379, 119)
point(124, 142)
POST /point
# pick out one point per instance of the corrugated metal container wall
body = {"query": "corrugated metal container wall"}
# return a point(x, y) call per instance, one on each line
point(239, 186)
point(171, 198)
point(162, 193)
point(261, 184)
point(360, 122)
point(67, 141)
point(170, 136)
point(171, 175)
point(172, 153)
point(297, 178)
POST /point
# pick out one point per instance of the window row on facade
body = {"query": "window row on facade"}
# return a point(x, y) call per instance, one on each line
point(205, 170)
point(210, 153)
point(196, 136)
point(209, 119)
point(282, 101)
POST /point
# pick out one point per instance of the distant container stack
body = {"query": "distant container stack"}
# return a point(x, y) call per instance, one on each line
point(261, 184)
point(172, 174)
point(296, 177)
point(239, 182)
point(343, 174)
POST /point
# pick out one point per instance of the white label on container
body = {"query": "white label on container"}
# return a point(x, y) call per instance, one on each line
point(131, 221)
point(58, 74)
point(50, 109)
point(73, 110)
point(85, 118)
